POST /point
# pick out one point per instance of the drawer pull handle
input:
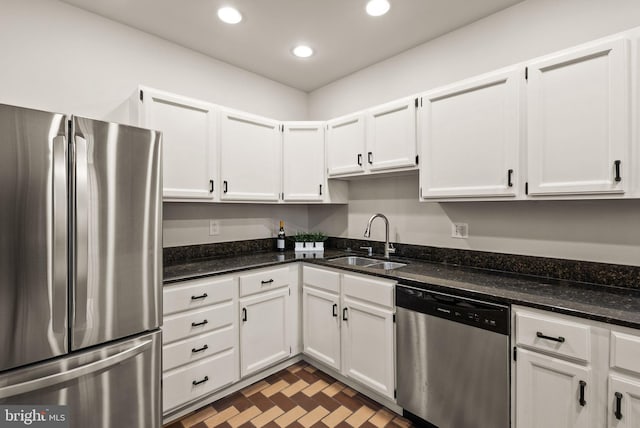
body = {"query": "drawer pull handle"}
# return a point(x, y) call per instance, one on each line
point(559, 339)
point(198, 382)
point(197, 324)
point(267, 282)
point(244, 314)
point(203, 296)
point(583, 385)
point(204, 348)
point(344, 314)
point(335, 310)
point(618, 411)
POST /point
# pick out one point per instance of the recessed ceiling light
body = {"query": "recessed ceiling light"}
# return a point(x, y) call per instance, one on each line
point(229, 15)
point(378, 7)
point(302, 51)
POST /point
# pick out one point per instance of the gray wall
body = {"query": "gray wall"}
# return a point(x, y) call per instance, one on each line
point(607, 231)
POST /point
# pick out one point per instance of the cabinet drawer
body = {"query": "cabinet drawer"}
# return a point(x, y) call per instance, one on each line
point(321, 278)
point(625, 351)
point(178, 385)
point(186, 324)
point(263, 280)
point(197, 293)
point(368, 289)
point(197, 347)
point(553, 335)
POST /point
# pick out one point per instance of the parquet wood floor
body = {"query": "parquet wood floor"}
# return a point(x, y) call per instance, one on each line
point(299, 396)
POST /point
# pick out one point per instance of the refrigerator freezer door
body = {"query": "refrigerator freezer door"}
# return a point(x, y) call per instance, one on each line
point(117, 261)
point(117, 385)
point(33, 236)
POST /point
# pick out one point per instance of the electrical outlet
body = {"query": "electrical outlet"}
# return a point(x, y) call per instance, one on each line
point(214, 227)
point(459, 230)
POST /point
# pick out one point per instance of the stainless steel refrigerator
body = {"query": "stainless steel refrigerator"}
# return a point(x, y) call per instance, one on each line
point(80, 267)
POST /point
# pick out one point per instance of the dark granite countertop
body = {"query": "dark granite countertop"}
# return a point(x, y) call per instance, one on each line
point(614, 305)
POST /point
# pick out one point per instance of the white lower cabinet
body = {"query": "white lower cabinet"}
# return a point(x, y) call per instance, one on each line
point(321, 325)
point(267, 315)
point(348, 324)
point(574, 372)
point(200, 339)
point(552, 393)
point(263, 330)
point(187, 383)
point(624, 401)
point(368, 345)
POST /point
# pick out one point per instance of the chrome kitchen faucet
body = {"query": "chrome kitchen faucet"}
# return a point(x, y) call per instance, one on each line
point(388, 247)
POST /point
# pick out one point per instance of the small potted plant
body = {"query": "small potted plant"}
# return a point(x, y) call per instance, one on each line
point(301, 239)
point(318, 239)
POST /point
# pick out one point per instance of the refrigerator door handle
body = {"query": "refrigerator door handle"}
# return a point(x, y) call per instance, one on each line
point(59, 251)
point(66, 376)
point(81, 233)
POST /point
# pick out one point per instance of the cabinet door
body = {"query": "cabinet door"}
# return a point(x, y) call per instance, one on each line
point(471, 138)
point(548, 392)
point(263, 330)
point(303, 154)
point(188, 142)
point(368, 345)
point(624, 402)
point(578, 121)
point(321, 326)
point(391, 135)
point(345, 145)
point(250, 155)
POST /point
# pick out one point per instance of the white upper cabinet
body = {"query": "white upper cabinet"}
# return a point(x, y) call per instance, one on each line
point(303, 161)
point(579, 122)
point(250, 157)
point(346, 145)
point(471, 137)
point(391, 135)
point(188, 142)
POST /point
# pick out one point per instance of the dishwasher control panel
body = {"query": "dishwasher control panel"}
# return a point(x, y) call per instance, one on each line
point(485, 315)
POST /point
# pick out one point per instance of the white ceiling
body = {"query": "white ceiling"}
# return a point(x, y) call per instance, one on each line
point(344, 37)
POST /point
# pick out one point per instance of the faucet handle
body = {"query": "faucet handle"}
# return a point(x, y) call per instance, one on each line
point(391, 249)
point(369, 250)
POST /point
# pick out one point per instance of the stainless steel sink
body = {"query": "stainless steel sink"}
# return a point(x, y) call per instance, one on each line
point(366, 262)
point(387, 265)
point(354, 261)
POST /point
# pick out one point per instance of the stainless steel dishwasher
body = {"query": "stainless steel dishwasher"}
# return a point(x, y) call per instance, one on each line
point(453, 359)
